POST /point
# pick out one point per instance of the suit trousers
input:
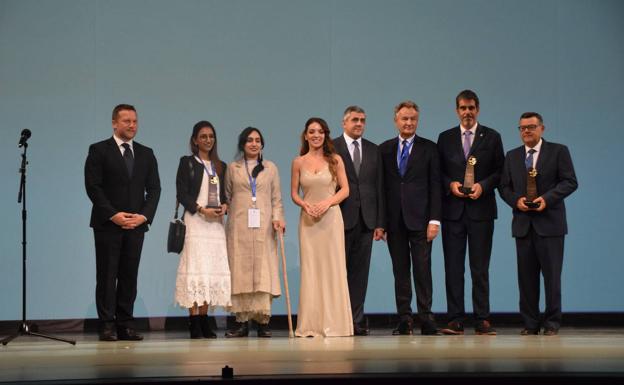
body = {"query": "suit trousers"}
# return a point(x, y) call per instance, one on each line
point(540, 254)
point(358, 247)
point(410, 252)
point(478, 236)
point(117, 256)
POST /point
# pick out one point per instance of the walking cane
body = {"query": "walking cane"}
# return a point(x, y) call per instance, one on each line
point(285, 277)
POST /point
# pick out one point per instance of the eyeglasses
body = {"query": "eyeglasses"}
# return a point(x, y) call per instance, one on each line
point(530, 127)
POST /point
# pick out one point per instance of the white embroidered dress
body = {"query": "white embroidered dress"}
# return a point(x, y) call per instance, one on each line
point(203, 273)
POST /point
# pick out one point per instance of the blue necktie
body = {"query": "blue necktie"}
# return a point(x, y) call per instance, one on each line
point(128, 158)
point(528, 162)
point(403, 160)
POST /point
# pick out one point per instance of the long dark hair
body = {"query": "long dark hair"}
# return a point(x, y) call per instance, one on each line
point(328, 146)
point(213, 155)
point(242, 140)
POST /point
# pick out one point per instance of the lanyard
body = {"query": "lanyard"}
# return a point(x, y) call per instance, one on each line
point(252, 182)
point(400, 150)
point(212, 167)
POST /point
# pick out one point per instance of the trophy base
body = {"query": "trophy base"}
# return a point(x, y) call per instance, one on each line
point(465, 190)
point(531, 205)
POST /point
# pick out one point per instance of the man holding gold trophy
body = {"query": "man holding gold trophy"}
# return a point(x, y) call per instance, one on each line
point(471, 161)
point(536, 178)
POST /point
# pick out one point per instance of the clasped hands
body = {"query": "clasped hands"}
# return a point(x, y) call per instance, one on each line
point(128, 221)
point(209, 212)
point(477, 190)
point(520, 204)
point(316, 210)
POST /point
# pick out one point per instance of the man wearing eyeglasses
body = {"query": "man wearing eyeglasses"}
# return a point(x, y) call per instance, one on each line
point(539, 231)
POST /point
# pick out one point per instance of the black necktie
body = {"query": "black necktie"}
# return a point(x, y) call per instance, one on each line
point(128, 158)
point(357, 159)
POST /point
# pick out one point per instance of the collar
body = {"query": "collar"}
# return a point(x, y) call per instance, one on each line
point(349, 140)
point(537, 147)
point(409, 140)
point(120, 142)
point(472, 129)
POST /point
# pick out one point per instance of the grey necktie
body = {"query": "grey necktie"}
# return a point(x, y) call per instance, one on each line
point(357, 159)
point(467, 135)
point(128, 158)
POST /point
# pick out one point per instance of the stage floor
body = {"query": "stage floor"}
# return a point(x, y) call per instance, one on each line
point(170, 356)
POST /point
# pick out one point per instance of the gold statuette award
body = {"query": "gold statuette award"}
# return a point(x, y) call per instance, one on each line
point(469, 176)
point(531, 193)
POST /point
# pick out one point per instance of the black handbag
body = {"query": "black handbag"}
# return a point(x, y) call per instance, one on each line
point(177, 231)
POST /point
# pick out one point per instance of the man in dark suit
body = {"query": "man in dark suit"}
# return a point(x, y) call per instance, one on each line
point(412, 187)
point(539, 231)
point(121, 179)
point(469, 217)
point(362, 211)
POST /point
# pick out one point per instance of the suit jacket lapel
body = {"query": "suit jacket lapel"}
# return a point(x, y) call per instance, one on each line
point(457, 141)
point(520, 167)
point(116, 154)
point(343, 149)
point(367, 156)
point(542, 157)
point(415, 152)
point(479, 138)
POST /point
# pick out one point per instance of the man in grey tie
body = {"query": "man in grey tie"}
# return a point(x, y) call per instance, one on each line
point(362, 211)
point(468, 218)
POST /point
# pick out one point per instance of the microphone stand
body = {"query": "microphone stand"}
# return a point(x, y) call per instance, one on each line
point(24, 328)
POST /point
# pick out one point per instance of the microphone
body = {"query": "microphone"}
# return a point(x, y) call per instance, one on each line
point(24, 137)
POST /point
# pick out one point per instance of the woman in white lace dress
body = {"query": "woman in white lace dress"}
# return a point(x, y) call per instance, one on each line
point(203, 280)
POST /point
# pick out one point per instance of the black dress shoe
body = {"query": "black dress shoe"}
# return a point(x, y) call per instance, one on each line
point(404, 328)
point(454, 328)
point(241, 330)
point(264, 331)
point(128, 334)
point(529, 332)
point(429, 329)
point(360, 330)
point(108, 335)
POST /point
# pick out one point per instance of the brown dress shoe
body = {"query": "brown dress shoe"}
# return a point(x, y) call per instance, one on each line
point(454, 328)
point(551, 332)
point(484, 328)
point(529, 332)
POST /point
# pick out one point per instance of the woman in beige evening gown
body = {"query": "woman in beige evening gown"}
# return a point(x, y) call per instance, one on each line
point(324, 307)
